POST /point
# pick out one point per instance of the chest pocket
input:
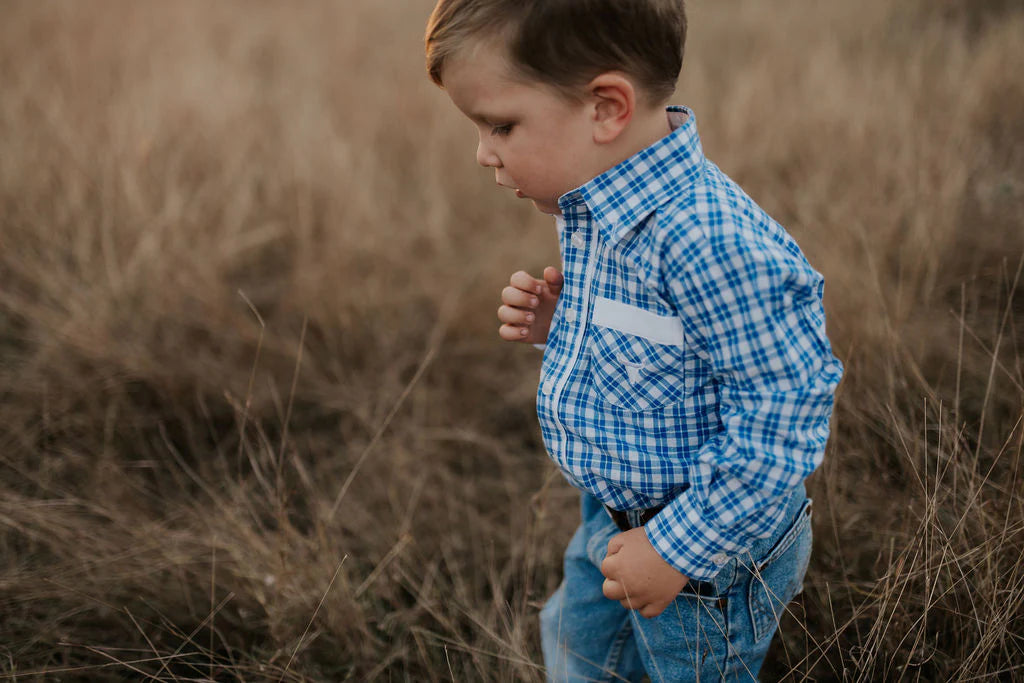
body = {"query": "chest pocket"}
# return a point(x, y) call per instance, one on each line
point(636, 356)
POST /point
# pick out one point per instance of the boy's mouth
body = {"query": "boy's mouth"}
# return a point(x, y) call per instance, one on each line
point(516, 190)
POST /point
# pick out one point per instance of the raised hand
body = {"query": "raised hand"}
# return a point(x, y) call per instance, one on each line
point(528, 304)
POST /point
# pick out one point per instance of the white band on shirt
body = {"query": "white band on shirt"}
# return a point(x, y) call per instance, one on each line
point(660, 329)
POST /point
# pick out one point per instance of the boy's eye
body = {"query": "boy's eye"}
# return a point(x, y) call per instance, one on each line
point(501, 130)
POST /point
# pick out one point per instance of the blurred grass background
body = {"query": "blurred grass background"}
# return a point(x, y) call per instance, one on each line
point(255, 419)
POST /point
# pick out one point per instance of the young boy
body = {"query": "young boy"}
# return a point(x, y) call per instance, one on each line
point(687, 381)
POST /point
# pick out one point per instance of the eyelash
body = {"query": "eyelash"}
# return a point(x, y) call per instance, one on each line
point(501, 131)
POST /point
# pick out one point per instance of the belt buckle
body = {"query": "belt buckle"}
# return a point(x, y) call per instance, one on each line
point(621, 517)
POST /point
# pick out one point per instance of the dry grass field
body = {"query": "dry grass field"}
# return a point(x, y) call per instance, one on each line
point(255, 419)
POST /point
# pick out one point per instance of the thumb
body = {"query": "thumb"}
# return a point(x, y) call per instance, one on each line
point(554, 279)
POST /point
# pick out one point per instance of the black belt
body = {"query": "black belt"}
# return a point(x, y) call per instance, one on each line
point(621, 517)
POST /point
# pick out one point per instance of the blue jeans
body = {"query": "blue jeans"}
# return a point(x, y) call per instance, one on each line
point(715, 630)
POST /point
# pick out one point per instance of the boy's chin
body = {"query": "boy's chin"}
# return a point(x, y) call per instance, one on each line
point(546, 207)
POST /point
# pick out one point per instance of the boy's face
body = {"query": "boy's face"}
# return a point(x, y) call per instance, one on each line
point(539, 143)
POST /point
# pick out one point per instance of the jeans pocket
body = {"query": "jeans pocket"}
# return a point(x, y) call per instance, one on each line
point(778, 576)
point(706, 594)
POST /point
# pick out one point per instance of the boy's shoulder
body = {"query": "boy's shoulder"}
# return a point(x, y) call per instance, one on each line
point(712, 230)
point(714, 215)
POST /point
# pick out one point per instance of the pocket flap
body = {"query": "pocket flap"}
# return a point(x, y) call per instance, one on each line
point(660, 329)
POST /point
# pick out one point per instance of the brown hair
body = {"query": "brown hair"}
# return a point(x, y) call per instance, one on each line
point(565, 43)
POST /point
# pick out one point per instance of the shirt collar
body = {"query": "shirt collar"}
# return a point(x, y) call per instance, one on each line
point(620, 198)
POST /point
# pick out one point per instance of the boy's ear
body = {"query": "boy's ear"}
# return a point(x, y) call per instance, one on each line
point(613, 98)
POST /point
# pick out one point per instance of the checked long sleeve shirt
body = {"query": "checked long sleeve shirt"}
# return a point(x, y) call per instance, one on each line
point(687, 363)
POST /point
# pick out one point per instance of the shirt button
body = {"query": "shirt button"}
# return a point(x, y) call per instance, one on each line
point(719, 559)
point(548, 386)
point(570, 315)
point(578, 240)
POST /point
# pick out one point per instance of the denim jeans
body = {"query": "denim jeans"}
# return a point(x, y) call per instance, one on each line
point(715, 630)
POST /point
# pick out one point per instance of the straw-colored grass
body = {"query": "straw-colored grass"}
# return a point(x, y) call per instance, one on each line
point(255, 419)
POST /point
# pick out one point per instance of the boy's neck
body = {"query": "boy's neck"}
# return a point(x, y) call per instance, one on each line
point(649, 125)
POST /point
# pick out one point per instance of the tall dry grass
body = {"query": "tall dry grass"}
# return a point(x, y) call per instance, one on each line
point(255, 419)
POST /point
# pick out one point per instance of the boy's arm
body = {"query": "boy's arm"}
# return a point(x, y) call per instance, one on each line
point(527, 306)
point(754, 313)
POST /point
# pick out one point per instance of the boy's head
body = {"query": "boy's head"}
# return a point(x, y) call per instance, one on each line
point(560, 90)
point(565, 43)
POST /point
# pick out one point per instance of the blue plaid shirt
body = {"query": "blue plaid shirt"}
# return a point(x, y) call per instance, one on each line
point(687, 362)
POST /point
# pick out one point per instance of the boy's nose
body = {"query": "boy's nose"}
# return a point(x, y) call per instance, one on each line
point(485, 157)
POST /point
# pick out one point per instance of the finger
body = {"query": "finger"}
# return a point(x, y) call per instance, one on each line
point(526, 282)
point(515, 316)
point(554, 279)
point(513, 332)
point(613, 590)
point(610, 566)
point(615, 544)
point(631, 603)
point(651, 610)
point(510, 296)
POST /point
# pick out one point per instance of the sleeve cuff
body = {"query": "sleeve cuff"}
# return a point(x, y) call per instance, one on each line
point(682, 538)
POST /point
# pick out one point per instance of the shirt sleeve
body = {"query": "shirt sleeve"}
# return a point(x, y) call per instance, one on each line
point(752, 309)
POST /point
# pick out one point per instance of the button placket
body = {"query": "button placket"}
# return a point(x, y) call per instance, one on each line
point(578, 268)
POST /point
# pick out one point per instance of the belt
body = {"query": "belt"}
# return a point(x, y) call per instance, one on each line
point(621, 517)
